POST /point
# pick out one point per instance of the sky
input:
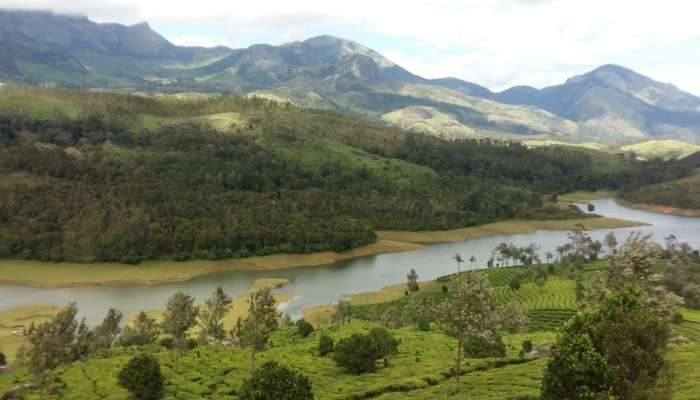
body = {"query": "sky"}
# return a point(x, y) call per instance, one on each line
point(495, 43)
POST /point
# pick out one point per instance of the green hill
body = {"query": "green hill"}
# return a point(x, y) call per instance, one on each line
point(114, 177)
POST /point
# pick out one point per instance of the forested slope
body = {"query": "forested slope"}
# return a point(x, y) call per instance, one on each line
point(110, 177)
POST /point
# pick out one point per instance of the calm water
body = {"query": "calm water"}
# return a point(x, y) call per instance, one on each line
point(323, 285)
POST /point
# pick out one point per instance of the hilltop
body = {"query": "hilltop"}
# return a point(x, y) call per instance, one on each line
point(610, 105)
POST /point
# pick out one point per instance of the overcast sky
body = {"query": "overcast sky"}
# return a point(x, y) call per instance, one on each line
point(496, 43)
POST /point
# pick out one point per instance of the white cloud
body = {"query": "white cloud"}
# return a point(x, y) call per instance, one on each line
point(494, 42)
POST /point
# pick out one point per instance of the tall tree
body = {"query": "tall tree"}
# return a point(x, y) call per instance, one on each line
point(343, 311)
point(412, 281)
point(467, 311)
point(212, 314)
point(61, 340)
point(611, 242)
point(458, 258)
point(105, 333)
point(180, 316)
point(142, 331)
point(254, 331)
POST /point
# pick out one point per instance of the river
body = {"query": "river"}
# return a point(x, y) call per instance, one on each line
point(325, 284)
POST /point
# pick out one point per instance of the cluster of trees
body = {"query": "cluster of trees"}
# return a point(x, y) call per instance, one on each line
point(106, 187)
point(616, 347)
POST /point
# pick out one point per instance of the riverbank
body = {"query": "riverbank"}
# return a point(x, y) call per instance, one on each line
point(659, 209)
point(60, 275)
point(515, 227)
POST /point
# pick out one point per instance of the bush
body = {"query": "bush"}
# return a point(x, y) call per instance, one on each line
point(359, 353)
point(142, 377)
point(423, 325)
point(167, 342)
point(478, 347)
point(325, 345)
point(192, 343)
point(677, 318)
point(527, 346)
point(275, 381)
point(515, 283)
point(304, 328)
point(3, 361)
point(356, 354)
point(383, 342)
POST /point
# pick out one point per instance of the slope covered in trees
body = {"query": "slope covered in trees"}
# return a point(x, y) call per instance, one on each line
point(111, 177)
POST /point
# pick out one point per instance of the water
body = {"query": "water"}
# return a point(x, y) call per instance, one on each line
point(324, 285)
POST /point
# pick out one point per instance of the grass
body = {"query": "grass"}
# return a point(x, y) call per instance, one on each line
point(44, 274)
point(503, 228)
point(213, 372)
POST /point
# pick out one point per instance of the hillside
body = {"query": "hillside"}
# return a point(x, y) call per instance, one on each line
point(111, 177)
point(680, 193)
point(610, 105)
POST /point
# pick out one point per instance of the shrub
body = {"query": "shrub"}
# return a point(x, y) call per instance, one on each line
point(527, 346)
point(479, 347)
point(3, 361)
point(515, 283)
point(167, 342)
point(142, 377)
point(383, 342)
point(677, 318)
point(423, 325)
point(304, 328)
point(191, 344)
point(356, 354)
point(325, 345)
point(275, 381)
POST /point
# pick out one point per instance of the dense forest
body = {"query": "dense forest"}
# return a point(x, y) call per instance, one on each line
point(112, 177)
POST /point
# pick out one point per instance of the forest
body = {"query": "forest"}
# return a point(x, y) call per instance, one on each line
point(95, 177)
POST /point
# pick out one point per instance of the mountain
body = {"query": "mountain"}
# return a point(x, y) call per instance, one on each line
point(609, 105)
point(615, 100)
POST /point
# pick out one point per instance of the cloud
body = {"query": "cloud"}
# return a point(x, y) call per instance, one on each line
point(494, 42)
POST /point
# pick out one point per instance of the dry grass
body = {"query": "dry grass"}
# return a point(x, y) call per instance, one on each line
point(580, 197)
point(503, 228)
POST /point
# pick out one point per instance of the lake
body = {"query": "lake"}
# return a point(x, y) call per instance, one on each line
point(326, 284)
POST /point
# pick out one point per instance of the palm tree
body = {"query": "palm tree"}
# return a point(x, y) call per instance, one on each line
point(457, 257)
point(472, 260)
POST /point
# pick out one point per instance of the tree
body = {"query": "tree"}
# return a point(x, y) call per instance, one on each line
point(275, 381)
point(106, 333)
point(3, 361)
point(180, 316)
point(412, 283)
point(467, 310)
point(144, 330)
point(472, 260)
point(358, 353)
point(60, 340)
point(458, 258)
point(549, 256)
point(254, 331)
point(212, 315)
point(325, 344)
point(513, 317)
point(618, 350)
point(591, 207)
point(515, 283)
point(304, 328)
point(142, 377)
point(594, 249)
point(576, 370)
point(633, 264)
point(343, 311)
point(611, 242)
point(383, 341)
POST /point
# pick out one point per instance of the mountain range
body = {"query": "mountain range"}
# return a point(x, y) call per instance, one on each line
point(610, 105)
